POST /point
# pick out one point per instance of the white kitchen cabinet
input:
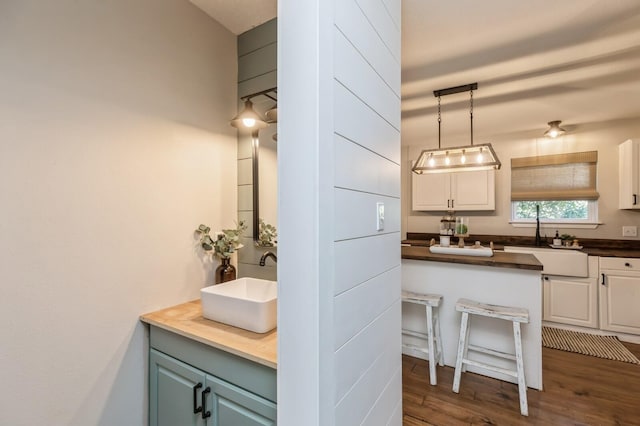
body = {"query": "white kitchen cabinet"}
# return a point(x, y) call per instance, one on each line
point(460, 191)
point(629, 177)
point(620, 294)
point(572, 300)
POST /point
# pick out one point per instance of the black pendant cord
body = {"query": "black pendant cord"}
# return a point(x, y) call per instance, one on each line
point(439, 121)
point(471, 115)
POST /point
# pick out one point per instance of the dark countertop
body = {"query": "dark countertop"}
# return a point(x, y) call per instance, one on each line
point(498, 260)
point(591, 247)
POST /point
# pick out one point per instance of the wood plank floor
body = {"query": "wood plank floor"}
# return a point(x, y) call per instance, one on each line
point(578, 390)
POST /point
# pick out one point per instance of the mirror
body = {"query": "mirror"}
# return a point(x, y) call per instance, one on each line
point(267, 200)
point(264, 156)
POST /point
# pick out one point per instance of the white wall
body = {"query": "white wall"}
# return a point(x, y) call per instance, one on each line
point(114, 146)
point(601, 137)
point(339, 278)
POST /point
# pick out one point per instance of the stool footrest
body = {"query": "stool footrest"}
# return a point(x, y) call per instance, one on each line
point(490, 367)
point(493, 352)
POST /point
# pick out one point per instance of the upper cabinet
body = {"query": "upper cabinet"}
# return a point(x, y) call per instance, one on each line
point(460, 191)
point(629, 178)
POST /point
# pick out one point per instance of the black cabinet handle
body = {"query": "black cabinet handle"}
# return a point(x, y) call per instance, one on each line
point(546, 278)
point(602, 279)
point(196, 409)
point(205, 413)
point(627, 264)
point(451, 203)
point(635, 199)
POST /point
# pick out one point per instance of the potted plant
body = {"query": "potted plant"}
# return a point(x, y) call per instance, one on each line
point(222, 244)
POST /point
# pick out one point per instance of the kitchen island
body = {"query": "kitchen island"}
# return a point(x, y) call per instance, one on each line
point(511, 279)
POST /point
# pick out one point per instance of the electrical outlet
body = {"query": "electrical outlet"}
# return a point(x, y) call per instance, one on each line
point(629, 231)
point(380, 216)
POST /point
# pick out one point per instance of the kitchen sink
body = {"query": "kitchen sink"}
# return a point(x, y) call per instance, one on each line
point(248, 303)
point(572, 263)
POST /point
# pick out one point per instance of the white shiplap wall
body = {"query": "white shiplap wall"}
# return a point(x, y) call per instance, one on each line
point(339, 279)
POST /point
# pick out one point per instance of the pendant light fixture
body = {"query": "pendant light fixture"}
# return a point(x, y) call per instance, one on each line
point(459, 158)
point(554, 129)
point(249, 119)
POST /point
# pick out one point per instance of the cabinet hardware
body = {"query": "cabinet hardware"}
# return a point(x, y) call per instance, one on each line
point(196, 409)
point(205, 413)
point(627, 264)
point(602, 282)
point(635, 199)
point(451, 203)
point(546, 278)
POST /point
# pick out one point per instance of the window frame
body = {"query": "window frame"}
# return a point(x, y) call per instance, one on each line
point(591, 222)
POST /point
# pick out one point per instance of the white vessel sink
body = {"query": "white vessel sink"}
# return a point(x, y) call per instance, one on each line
point(247, 303)
point(570, 263)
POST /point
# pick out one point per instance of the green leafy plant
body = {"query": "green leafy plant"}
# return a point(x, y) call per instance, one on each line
point(567, 237)
point(461, 229)
point(224, 243)
point(267, 234)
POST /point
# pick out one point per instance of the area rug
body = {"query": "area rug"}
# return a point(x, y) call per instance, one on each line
point(608, 347)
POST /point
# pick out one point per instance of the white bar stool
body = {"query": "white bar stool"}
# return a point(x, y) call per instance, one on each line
point(434, 341)
point(515, 315)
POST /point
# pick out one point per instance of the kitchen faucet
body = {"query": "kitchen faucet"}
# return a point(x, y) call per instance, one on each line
point(267, 254)
point(538, 239)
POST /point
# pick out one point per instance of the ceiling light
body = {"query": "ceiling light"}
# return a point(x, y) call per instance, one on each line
point(554, 129)
point(248, 118)
point(459, 158)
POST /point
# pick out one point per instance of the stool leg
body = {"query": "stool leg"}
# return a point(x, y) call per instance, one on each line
point(432, 360)
point(462, 347)
point(522, 387)
point(438, 336)
point(465, 355)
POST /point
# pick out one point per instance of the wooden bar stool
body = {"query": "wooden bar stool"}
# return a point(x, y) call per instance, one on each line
point(434, 341)
point(516, 316)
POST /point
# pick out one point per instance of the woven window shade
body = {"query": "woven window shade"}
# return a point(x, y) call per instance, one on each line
point(555, 177)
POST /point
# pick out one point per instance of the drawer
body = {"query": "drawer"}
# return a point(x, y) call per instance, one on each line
point(620, 263)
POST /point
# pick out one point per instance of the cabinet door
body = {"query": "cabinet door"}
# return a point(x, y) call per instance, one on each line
point(171, 391)
point(628, 175)
point(473, 190)
point(571, 301)
point(233, 406)
point(619, 302)
point(431, 191)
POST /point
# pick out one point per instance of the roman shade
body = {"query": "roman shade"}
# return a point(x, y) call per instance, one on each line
point(569, 176)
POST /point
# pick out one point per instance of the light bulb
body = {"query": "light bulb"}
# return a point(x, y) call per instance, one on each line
point(249, 122)
point(463, 158)
point(447, 160)
point(480, 157)
point(432, 162)
point(553, 133)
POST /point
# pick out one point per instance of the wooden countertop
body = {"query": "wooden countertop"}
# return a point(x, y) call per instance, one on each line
point(499, 259)
point(591, 251)
point(187, 320)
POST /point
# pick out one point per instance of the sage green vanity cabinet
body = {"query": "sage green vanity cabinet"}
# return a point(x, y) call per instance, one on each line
point(191, 383)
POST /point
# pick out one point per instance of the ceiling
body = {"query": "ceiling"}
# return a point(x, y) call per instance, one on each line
point(534, 61)
point(239, 16)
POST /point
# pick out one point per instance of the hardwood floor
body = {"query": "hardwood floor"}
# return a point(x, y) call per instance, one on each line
point(578, 390)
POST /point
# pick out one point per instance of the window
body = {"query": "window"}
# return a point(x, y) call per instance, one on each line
point(564, 186)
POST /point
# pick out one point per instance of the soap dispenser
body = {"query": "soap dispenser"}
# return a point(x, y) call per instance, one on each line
point(556, 240)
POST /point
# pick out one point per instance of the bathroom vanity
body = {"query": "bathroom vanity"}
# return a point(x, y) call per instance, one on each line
point(202, 372)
